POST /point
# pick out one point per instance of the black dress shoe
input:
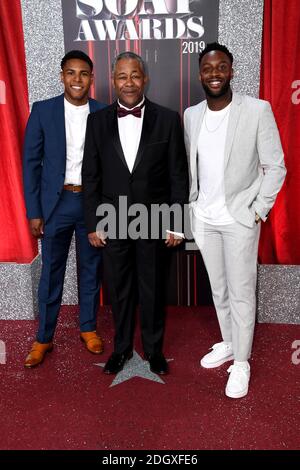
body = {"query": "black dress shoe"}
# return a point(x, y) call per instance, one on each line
point(116, 362)
point(158, 363)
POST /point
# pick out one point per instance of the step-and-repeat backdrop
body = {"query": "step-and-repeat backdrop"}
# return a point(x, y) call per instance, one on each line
point(169, 35)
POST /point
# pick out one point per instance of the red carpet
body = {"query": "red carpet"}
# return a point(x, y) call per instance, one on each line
point(67, 402)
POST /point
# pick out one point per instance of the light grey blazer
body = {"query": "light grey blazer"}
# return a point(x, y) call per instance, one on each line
point(254, 168)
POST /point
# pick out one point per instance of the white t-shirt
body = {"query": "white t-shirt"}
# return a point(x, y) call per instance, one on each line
point(75, 124)
point(210, 205)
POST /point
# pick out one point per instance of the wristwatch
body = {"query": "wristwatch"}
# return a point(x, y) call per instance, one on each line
point(257, 218)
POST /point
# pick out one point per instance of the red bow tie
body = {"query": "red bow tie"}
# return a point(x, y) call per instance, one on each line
point(122, 112)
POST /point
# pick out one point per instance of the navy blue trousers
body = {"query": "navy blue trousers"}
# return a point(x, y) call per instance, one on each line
point(58, 231)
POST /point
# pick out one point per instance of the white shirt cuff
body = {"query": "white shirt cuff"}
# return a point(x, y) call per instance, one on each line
point(178, 234)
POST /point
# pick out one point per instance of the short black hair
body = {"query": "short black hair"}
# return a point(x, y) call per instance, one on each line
point(76, 55)
point(215, 46)
point(129, 55)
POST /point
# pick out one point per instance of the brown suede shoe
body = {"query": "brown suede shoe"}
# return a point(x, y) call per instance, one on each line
point(37, 353)
point(93, 342)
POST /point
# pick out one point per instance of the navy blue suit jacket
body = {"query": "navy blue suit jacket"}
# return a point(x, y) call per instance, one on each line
point(44, 156)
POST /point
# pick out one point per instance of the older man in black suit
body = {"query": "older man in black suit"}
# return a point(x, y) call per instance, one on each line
point(135, 149)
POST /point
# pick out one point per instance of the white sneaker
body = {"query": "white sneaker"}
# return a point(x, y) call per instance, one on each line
point(238, 382)
point(221, 352)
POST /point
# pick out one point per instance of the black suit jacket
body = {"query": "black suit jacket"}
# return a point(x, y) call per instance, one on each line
point(159, 175)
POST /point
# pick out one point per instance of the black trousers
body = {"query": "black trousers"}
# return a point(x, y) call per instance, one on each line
point(136, 271)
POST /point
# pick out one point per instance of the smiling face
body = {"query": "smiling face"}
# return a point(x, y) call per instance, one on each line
point(77, 78)
point(129, 82)
point(215, 73)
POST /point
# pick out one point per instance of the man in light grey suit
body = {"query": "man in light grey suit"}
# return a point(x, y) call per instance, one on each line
point(236, 170)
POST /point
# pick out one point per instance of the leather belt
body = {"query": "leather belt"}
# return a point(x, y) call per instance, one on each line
point(75, 188)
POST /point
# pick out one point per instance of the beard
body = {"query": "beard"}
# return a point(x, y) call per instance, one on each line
point(223, 91)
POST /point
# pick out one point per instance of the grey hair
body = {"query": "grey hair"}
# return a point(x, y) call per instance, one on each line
point(128, 55)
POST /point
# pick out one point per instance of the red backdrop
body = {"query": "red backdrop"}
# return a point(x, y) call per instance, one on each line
point(16, 244)
point(280, 69)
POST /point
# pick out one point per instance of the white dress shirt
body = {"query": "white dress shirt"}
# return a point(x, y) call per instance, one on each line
point(130, 130)
point(210, 206)
point(75, 124)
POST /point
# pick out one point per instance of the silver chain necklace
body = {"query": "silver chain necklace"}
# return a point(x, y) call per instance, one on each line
point(219, 125)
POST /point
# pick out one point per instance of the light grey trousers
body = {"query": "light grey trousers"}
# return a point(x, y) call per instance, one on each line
point(230, 256)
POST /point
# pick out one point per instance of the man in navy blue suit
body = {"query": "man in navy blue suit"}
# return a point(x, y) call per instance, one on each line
point(52, 160)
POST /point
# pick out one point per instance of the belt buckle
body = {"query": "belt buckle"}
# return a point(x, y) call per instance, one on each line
point(74, 190)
